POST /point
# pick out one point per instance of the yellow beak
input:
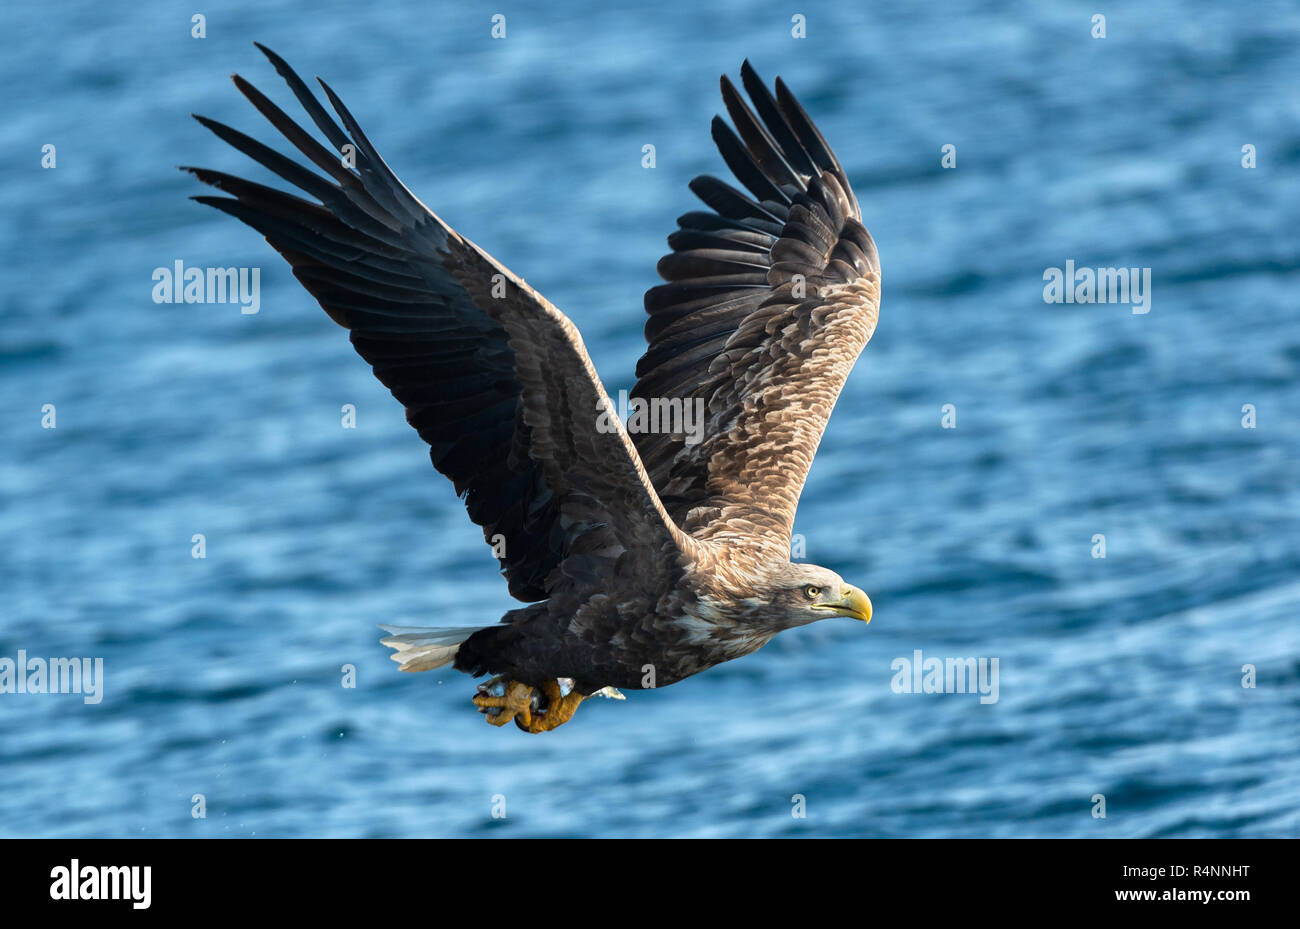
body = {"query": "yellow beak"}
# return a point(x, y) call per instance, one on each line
point(854, 603)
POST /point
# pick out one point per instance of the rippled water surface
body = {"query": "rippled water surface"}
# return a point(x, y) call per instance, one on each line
point(1119, 676)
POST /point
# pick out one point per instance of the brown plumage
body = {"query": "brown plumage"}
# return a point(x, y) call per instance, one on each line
point(643, 558)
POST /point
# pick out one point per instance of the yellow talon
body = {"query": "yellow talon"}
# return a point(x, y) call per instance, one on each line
point(516, 705)
point(559, 709)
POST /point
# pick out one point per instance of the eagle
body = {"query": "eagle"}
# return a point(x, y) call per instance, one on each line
point(644, 552)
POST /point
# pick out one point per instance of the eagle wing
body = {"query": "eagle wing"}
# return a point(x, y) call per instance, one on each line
point(493, 377)
point(770, 299)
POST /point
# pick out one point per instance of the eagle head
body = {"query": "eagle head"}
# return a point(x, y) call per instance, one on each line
point(805, 593)
point(785, 595)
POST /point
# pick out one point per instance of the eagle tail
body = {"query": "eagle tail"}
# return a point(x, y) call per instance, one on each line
point(423, 648)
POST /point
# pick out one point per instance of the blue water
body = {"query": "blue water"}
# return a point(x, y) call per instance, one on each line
point(1119, 676)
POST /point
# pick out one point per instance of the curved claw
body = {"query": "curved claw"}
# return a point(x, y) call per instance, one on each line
point(559, 709)
point(515, 703)
point(501, 701)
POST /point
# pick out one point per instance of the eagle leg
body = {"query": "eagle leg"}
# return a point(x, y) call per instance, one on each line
point(559, 709)
point(515, 703)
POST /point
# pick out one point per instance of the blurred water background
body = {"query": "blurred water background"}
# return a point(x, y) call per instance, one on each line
point(1119, 676)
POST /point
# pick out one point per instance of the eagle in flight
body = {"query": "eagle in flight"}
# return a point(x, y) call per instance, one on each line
point(642, 556)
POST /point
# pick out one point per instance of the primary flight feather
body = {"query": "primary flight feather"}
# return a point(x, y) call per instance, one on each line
point(643, 556)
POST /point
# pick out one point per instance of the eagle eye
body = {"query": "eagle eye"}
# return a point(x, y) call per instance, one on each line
point(811, 592)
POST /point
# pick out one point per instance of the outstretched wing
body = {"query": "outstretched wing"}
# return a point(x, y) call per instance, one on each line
point(770, 299)
point(492, 376)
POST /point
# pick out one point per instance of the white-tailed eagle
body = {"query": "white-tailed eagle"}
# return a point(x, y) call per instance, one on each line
point(643, 557)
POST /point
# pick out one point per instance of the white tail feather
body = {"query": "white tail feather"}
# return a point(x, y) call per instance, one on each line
point(423, 648)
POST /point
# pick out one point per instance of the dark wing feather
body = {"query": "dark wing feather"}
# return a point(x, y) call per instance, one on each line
point(500, 387)
point(770, 299)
